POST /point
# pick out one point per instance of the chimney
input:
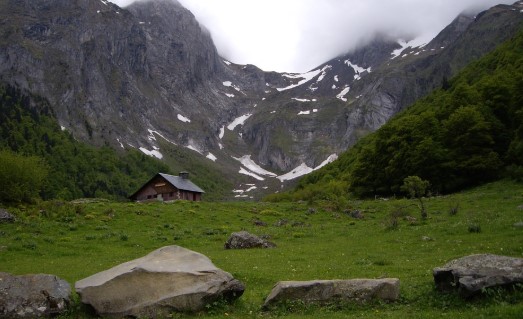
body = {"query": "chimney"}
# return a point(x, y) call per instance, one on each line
point(184, 175)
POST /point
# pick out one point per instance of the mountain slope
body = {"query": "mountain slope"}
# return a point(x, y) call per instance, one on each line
point(466, 134)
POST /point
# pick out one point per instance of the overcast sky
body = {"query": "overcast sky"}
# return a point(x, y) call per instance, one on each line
point(298, 35)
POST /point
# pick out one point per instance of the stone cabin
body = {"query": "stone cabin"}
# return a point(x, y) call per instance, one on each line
point(165, 187)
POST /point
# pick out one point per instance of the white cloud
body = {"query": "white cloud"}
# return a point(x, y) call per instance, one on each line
point(298, 35)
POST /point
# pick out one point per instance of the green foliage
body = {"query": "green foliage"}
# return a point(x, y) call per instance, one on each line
point(21, 177)
point(415, 187)
point(76, 170)
point(468, 134)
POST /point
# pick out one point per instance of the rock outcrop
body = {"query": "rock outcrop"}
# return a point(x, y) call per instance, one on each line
point(471, 274)
point(168, 279)
point(244, 240)
point(32, 296)
point(333, 291)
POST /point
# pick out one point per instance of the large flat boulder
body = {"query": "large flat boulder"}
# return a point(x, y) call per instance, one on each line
point(169, 279)
point(471, 274)
point(32, 296)
point(333, 291)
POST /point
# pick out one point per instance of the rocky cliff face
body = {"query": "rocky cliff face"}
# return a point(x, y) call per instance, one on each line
point(149, 77)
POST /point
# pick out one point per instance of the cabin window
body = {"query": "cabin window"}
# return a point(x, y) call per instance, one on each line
point(171, 194)
point(149, 196)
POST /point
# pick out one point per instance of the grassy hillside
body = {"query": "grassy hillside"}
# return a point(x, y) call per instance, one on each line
point(467, 133)
point(76, 240)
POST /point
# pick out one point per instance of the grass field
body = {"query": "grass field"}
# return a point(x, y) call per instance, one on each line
point(76, 240)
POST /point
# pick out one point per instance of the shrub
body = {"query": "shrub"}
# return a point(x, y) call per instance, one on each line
point(21, 177)
point(454, 210)
point(474, 228)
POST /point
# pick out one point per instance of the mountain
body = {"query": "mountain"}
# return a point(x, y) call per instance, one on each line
point(149, 77)
point(464, 134)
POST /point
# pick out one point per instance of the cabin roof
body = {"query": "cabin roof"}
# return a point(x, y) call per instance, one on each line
point(176, 181)
point(181, 183)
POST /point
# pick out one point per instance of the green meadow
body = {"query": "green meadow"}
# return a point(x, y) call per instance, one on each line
point(318, 240)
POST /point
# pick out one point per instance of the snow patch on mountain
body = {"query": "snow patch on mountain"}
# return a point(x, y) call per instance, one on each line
point(303, 169)
point(222, 132)
point(246, 172)
point(357, 69)
point(306, 77)
point(307, 112)
point(153, 153)
point(229, 84)
point(303, 100)
point(212, 157)
point(342, 94)
point(238, 121)
point(152, 136)
point(193, 147)
point(253, 167)
point(183, 119)
point(415, 43)
point(250, 188)
point(323, 73)
point(121, 145)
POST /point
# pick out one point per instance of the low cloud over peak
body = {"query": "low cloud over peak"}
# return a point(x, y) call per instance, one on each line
point(298, 35)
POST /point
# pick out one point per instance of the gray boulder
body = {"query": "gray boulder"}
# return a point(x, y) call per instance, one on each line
point(31, 296)
point(6, 217)
point(469, 275)
point(333, 291)
point(168, 279)
point(243, 240)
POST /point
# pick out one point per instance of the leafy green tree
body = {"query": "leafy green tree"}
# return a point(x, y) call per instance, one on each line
point(415, 187)
point(21, 177)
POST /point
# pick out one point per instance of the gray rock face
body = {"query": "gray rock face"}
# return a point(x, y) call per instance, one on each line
point(243, 240)
point(334, 291)
point(470, 274)
point(31, 296)
point(6, 217)
point(168, 279)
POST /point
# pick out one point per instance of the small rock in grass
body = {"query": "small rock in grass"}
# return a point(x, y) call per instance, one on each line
point(6, 217)
point(518, 225)
point(244, 240)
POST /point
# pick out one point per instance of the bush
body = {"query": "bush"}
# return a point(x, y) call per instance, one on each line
point(21, 177)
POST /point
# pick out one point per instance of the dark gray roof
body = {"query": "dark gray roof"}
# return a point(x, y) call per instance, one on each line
point(183, 184)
